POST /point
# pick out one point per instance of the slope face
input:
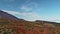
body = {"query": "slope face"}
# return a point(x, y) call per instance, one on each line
point(9, 24)
point(6, 15)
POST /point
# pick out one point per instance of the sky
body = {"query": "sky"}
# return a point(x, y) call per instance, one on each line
point(48, 10)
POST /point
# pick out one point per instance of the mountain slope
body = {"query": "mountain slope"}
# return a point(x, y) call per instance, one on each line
point(6, 15)
point(10, 24)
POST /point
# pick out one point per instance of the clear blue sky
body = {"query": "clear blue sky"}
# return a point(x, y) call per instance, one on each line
point(33, 9)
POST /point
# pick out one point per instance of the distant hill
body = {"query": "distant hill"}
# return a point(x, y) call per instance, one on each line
point(10, 24)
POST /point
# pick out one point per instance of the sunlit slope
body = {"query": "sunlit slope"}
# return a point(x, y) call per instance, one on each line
point(10, 24)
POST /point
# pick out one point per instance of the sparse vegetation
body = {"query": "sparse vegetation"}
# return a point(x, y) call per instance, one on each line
point(12, 25)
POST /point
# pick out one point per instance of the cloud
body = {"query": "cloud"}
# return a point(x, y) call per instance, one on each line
point(32, 16)
point(27, 16)
point(29, 9)
point(29, 6)
point(33, 4)
point(25, 8)
point(12, 12)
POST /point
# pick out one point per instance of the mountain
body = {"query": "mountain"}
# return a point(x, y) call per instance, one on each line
point(7, 16)
point(4, 16)
point(10, 24)
point(7, 22)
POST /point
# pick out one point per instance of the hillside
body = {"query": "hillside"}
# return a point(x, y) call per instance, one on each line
point(10, 24)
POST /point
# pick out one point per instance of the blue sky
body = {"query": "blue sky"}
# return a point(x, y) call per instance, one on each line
point(31, 10)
